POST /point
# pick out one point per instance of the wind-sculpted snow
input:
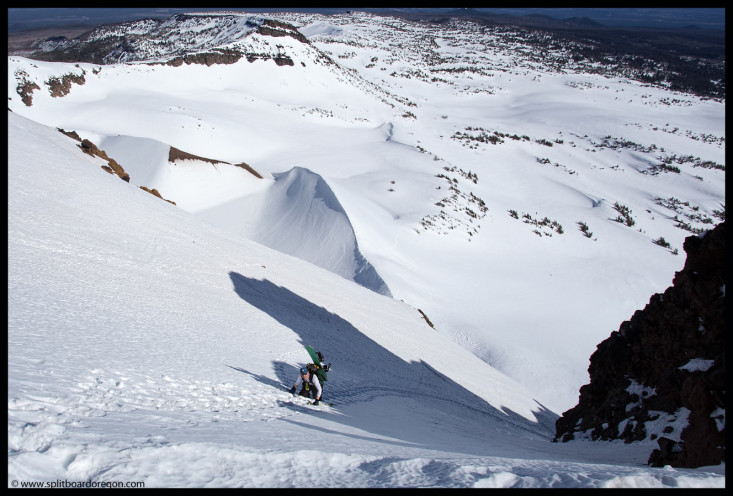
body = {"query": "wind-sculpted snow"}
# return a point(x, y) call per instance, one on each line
point(298, 214)
point(301, 216)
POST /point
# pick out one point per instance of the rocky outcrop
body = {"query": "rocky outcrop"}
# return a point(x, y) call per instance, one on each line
point(25, 87)
point(249, 169)
point(71, 134)
point(174, 154)
point(661, 376)
point(271, 27)
point(222, 56)
point(62, 86)
point(426, 318)
point(155, 192)
point(283, 60)
point(216, 56)
point(279, 59)
point(57, 86)
point(112, 166)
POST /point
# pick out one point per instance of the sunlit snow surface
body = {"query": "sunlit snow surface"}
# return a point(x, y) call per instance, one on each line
point(156, 342)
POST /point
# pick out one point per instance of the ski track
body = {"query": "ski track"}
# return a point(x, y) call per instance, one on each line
point(37, 421)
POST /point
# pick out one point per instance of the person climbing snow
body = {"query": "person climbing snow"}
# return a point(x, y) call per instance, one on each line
point(311, 385)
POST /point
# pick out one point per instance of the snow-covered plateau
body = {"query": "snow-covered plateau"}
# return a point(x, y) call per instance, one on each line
point(453, 221)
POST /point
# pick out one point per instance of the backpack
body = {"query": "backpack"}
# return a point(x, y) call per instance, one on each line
point(317, 371)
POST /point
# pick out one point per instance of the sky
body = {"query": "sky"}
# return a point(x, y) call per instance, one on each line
point(196, 315)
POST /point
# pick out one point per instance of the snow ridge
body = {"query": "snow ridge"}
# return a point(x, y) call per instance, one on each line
point(310, 223)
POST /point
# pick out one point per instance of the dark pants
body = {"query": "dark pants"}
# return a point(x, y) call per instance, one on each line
point(307, 389)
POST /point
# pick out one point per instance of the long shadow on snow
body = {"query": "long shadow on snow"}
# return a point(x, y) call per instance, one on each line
point(358, 362)
point(262, 378)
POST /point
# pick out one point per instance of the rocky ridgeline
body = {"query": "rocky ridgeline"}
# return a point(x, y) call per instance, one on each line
point(661, 376)
point(183, 38)
point(112, 166)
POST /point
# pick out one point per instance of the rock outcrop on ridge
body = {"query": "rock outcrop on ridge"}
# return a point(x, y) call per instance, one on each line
point(661, 376)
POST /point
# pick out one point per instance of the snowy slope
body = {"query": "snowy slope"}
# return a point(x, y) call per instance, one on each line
point(146, 346)
point(465, 163)
point(299, 215)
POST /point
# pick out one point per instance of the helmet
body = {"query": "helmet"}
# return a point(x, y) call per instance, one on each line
point(303, 371)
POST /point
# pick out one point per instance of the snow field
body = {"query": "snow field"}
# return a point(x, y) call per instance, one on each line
point(112, 378)
point(156, 342)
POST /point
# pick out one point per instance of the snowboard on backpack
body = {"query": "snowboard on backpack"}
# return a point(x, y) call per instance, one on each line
point(316, 367)
point(314, 355)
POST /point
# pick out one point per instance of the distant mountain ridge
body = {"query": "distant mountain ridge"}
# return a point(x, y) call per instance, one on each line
point(530, 20)
point(684, 59)
point(156, 39)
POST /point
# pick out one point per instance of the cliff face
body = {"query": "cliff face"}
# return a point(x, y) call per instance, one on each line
point(661, 376)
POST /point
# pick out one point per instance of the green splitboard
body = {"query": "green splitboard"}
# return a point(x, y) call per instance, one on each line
point(313, 355)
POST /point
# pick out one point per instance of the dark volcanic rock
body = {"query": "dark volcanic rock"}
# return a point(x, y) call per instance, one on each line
point(271, 27)
point(661, 376)
point(216, 56)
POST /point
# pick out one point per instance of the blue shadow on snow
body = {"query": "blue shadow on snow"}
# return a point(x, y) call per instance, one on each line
point(364, 370)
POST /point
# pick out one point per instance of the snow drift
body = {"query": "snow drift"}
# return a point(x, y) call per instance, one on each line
point(301, 216)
